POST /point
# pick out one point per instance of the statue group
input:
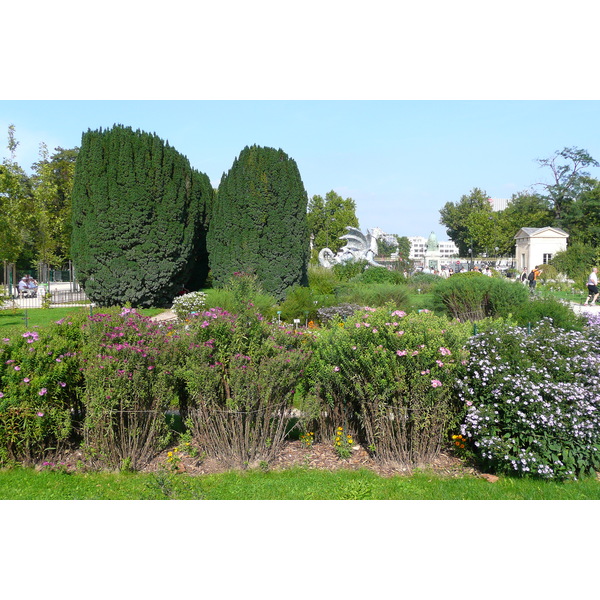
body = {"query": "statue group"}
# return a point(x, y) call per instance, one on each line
point(358, 247)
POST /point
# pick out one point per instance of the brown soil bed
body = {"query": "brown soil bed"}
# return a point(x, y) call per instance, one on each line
point(319, 456)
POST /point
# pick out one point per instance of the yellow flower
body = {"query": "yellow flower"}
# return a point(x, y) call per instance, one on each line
point(169, 454)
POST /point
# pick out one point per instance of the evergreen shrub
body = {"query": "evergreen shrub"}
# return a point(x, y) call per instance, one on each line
point(139, 219)
point(474, 296)
point(259, 222)
point(532, 401)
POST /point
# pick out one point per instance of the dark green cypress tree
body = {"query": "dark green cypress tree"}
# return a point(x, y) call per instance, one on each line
point(259, 224)
point(139, 218)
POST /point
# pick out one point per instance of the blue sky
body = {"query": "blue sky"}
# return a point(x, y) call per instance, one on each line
point(400, 160)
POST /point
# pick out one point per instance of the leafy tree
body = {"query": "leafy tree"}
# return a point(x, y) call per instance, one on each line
point(385, 248)
point(259, 222)
point(455, 217)
point(576, 262)
point(569, 179)
point(52, 182)
point(404, 262)
point(16, 209)
point(327, 220)
point(137, 210)
point(582, 217)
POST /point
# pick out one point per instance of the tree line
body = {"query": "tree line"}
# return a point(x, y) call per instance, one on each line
point(570, 201)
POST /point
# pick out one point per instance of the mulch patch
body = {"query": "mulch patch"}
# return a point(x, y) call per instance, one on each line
point(319, 456)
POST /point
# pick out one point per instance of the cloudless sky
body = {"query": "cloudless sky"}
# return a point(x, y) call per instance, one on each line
point(401, 161)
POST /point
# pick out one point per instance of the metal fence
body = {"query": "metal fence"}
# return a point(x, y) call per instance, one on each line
point(40, 288)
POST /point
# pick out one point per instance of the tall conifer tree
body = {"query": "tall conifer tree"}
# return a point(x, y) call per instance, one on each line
point(138, 218)
point(259, 224)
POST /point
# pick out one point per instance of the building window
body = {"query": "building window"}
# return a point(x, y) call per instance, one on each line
point(547, 258)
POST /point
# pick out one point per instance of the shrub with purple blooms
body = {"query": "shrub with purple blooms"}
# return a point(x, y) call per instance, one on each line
point(39, 404)
point(533, 401)
point(240, 374)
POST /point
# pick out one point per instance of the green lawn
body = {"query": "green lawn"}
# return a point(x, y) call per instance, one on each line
point(18, 321)
point(293, 484)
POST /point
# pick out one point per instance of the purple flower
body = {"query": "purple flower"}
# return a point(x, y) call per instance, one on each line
point(62, 384)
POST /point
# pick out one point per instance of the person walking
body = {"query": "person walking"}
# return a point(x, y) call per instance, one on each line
point(524, 277)
point(592, 286)
point(533, 277)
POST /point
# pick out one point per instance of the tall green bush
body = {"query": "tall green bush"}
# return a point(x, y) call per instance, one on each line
point(259, 223)
point(474, 296)
point(139, 216)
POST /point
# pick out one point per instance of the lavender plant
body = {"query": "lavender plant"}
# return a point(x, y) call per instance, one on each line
point(532, 400)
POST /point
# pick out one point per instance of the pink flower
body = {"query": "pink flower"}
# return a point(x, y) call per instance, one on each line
point(425, 372)
point(401, 352)
point(336, 369)
point(40, 414)
point(62, 384)
point(1, 395)
point(445, 352)
point(374, 330)
point(439, 363)
point(17, 368)
point(435, 383)
point(42, 391)
point(26, 380)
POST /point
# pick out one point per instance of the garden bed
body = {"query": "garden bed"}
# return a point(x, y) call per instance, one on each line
point(319, 456)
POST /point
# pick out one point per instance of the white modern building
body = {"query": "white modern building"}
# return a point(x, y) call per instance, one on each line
point(418, 246)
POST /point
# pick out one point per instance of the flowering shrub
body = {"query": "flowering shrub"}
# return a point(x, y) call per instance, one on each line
point(388, 378)
point(240, 374)
point(532, 400)
point(189, 304)
point(126, 389)
point(39, 377)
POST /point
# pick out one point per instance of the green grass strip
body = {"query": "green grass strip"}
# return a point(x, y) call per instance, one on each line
point(293, 484)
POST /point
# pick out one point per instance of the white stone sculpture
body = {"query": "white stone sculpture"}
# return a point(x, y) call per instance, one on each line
point(358, 247)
